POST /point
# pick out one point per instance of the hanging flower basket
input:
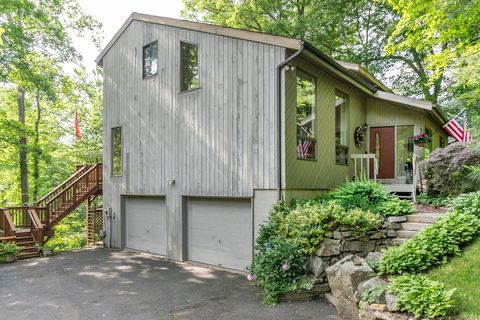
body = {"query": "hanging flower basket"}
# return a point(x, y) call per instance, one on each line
point(421, 139)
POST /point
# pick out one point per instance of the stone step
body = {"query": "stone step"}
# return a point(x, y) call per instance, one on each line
point(406, 234)
point(424, 217)
point(399, 241)
point(28, 255)
point(414, 226)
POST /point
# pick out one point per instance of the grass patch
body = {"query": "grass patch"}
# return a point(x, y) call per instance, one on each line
point(463, 273)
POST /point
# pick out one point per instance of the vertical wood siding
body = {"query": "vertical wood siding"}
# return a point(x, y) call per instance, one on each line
point(323, 173)
point(218, 140)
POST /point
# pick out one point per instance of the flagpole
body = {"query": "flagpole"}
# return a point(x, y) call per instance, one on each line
point(454, 116)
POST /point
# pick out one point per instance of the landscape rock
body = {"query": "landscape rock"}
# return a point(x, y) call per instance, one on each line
point(317, 266)
point(391, 234)
point(391, 300)
point(378, 307)
point(369, 284)
point(344, 278)
point(329, 247)
point(320, 288)
point(378, 235)
point(374, 256)
point(396, 219)
point(358, 246)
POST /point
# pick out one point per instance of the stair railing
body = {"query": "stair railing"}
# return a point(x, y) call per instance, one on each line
point(52, 194)
point(74, 194)
point(7, 226)
point(415, 177)
point(361, 166)
point(36, 227)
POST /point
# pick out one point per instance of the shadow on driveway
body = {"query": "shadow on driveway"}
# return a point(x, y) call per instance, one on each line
point(114, 284)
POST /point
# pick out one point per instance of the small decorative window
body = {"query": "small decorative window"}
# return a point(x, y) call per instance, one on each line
point(189, 79)
point(443, 142)
point(341, 128)
point(305, 117)
point(150, 59)
point(117, 151)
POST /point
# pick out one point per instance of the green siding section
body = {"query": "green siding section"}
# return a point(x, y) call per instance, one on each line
point(322, 173)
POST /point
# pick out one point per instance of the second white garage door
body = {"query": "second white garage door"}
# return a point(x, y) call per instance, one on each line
point(146, 224)
point(220, 232)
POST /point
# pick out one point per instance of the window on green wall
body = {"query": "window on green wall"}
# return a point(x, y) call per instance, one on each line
point(442, 143)
point(305, 117)
point(341, 128)
point(428, 147)
point(116, 146)
point(404, 149)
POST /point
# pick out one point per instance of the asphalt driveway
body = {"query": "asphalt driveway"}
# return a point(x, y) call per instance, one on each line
point(114, 284)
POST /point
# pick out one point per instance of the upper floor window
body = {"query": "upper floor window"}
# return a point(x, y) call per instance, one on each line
point(341, 128)
point(189, 66)
point(305, 117)
point(116, 146)
point(150, 59)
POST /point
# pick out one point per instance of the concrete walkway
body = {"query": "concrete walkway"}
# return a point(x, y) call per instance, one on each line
point(113, 284)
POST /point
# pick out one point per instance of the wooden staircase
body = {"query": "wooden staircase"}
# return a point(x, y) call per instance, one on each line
point(31, 226)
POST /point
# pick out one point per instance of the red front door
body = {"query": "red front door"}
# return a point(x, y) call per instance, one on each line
point(382, 143)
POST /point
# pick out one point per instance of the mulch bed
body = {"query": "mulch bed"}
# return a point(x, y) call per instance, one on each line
point(430, 209)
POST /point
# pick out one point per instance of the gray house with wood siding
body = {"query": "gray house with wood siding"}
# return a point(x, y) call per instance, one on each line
point(205, 127)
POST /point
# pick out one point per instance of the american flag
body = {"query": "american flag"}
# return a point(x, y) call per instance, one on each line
point(457, 131)
point(303, 147)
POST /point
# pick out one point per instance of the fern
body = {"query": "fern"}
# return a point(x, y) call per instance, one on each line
point(474, 173)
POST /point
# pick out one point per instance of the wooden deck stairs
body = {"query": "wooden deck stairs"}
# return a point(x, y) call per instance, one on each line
point(31, 226)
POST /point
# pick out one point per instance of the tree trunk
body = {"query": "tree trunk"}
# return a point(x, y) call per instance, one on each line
point(36, 151)
point(22, 144)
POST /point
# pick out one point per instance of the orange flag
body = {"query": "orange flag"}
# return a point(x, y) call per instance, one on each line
point(77, 127)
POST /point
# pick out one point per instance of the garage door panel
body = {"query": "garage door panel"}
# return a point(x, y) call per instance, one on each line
point(220, 232)
point(146, 224)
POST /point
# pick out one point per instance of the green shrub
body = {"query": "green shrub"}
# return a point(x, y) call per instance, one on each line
point(364, 194)
point(421, 296)
point(396, 207)
point(280, 268)
point(359, 221)
point(432, 246)
point(438, 201)
point(7, 248)
point(467, 203)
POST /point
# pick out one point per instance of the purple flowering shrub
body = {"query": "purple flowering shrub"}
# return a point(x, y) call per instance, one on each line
point(278, 268)
point(446, 172)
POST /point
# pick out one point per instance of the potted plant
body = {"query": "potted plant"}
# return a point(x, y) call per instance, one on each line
point(9, 251)
point(421, 139)
point(47, 251)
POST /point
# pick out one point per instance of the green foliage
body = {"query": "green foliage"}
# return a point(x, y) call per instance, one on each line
point(468, 203)
point(371, 295)
point(7, 248)
point(359, 221)
point(439, 201)
point(364, 194)
point(69, 233)
point(268, 268)
point(421, 296)
point(435, 244)
point(370, 196)
point(396, 207)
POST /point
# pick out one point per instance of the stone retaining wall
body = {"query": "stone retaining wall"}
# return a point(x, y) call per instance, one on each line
point(339, 243)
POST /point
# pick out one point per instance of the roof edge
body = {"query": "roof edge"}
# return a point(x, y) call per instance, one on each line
point(364, 73)
point(275, 40)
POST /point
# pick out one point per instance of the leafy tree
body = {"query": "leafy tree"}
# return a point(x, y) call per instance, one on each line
point(36, 46)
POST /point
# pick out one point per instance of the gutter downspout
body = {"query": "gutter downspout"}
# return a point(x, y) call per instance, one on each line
point(279, 116)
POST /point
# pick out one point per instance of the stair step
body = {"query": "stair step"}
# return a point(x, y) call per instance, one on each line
point(28, 255)
point(399, 241)
point(414, 226)
point(424, 217)
point(406, 234)
point(25, 243)
point(28, 249)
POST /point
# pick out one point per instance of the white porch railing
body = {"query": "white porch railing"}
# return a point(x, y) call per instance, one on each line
point(416, 174)
point(362, 165)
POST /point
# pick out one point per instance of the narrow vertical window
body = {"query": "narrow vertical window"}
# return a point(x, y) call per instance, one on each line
point(341, 128)
point(305, 117)
point(188, 67)
point(150, 59)
point(117, 162)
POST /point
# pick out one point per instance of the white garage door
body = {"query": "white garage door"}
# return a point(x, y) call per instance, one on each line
point(220, 232)
point(145, 224)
